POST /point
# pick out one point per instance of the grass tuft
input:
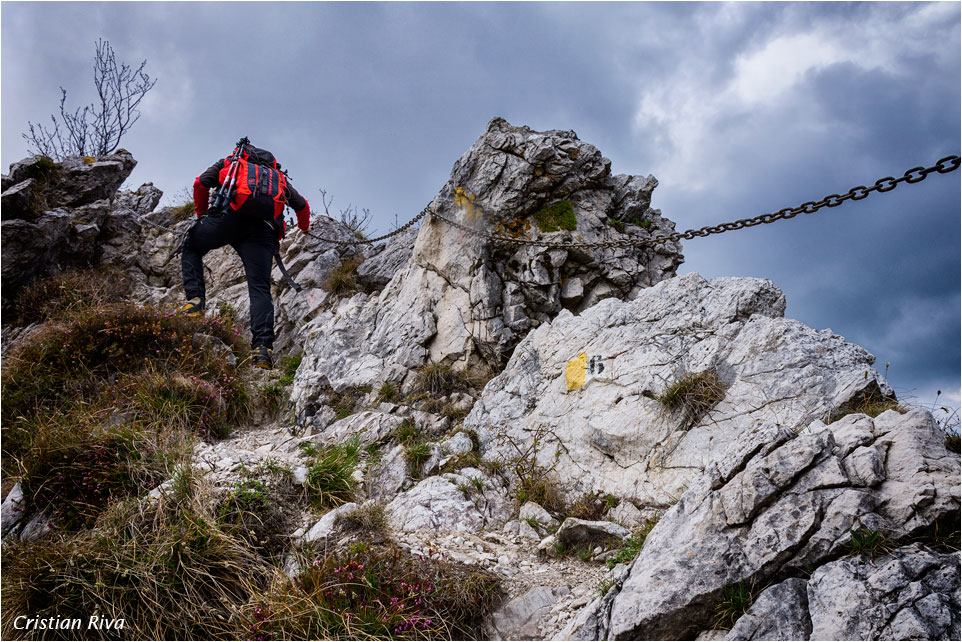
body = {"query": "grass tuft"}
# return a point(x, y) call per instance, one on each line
point(329, 482)
point(692, 396)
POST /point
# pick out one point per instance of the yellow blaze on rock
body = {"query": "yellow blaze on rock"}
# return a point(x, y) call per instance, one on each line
point(575, 371)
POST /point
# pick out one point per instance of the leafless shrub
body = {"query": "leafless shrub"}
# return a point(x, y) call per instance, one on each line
point(95, 129)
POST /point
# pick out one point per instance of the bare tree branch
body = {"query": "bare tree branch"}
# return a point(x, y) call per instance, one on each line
point(95, 129)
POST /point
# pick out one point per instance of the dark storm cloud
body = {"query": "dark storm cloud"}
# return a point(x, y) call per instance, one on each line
point(737, 109)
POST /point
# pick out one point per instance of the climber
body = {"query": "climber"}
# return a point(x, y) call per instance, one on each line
point(247, 214)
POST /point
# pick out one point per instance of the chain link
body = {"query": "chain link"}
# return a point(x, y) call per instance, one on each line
point(857, 193)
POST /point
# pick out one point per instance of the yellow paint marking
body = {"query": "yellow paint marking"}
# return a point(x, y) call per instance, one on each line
point(575, 371)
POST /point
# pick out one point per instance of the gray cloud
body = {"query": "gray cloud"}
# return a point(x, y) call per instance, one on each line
point(737, 109)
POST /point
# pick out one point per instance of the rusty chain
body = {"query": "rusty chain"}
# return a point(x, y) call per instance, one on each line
point(857, 193)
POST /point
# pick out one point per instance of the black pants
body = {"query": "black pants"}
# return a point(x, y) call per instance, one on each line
point(255, 241)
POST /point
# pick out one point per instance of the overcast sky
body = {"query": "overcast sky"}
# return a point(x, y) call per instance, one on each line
point(736, 108)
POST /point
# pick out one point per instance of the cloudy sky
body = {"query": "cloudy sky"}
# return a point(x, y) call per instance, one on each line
point(737, 108)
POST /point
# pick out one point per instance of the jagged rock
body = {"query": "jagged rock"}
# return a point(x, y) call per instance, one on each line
point(780, 612)
point(437, 504)
point(389, 476)
point(591, 622)
point(518, 619)
point(40, 525)
point(369, 426)
point(628, 515)
point(465, 301)
point(206, 342)
point(13, 510)
point(325, 526)
point(788, 505)
point(20, 200)
point(376, 271)
point(910, 594)
point(613, 436)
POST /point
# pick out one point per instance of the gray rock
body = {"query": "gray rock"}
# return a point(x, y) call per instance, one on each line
point(774, 373)
point(390, 476)
point(532, 511)
point(40, 525)
point(13, 510)
point(791, 507)
point(575, 532)
point(780, 612)
point(518, 619)
point(325, 526)
point(20, 200)
point(436, 504)
point(910, 594)
point(376, 271)
point(463, 301)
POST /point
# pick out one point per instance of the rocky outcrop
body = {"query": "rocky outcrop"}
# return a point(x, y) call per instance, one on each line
point(790, 506)
point(583, 390)
point(54, 215)
point(464, 300)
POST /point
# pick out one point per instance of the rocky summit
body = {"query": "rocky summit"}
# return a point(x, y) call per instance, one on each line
point(605, 448)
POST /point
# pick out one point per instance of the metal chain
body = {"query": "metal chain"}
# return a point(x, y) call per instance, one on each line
point(857, 193)
point(414, 220)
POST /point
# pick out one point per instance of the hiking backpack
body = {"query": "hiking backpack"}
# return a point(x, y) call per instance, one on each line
point(258, 183)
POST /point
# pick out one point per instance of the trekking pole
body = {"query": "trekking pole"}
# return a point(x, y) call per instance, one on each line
point(222, 197)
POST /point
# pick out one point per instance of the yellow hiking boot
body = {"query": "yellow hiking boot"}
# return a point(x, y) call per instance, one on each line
point(193, 307)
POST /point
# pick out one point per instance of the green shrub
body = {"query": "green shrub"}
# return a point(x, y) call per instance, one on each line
point(289, 366)
point(866, 541)
point(387, 392)
point(867, 404)
point(439, 380)
point(372, 592)
point(633, 545)
point(343, 280)
point(75, 474)
point(258, 513)
point(183, 212)
point(556, 217)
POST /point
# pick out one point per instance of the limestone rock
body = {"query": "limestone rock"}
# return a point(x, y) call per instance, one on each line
point(574, 532)
point(389, 476)
point(518, 619)
point(464, 301)
point(790, 506)
point(13, 510)
point(377, 270)
point(585, 387)
point(780, 612)
point(532, 511)
point(20, 200)
point(910, 594)
point(325, 526)
point(437, 504)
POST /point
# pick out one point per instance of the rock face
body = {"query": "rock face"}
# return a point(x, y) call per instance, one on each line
point(789, 506)
point(584, 387)
point(467, 301)
point(54, 215)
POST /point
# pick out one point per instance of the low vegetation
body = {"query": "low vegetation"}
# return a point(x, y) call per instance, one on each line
point(692, 396)
point(329, 483)
point(633, 545)
point(735, 600)
point(375, 592)
point(556, 217)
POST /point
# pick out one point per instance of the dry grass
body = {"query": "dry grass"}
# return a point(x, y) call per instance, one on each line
point(692, 396)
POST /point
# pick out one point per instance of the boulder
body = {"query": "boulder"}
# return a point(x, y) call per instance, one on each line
point(580, 532)
point(518, 619)
point(437, 504)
